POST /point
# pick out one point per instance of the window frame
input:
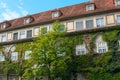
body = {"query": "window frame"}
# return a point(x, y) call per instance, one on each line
point(81, 48)
point(100, 21)
point(2, 37)
point(22, 36)
point(80, 27)
point(117, 2)
point(27, 33)
point(55, 14)
point(15, 56)
point(92, 7)
point(14, 36)
point(100, 46)
point(86, 23)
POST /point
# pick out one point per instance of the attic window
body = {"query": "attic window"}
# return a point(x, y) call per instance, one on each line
point(27, 21)
point(90, 7)
point(55, 14)
point(3, 25)
point(117, 2)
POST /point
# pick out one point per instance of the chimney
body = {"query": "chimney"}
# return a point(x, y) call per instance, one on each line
point(91, 0)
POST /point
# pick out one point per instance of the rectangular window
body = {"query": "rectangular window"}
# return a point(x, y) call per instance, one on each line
point(117, 2)
point(55, 14)
point(11, 78)
point(9, 36)
point(50, 27)
point(102, 47)
point(79, 25)
point(22, 34)
point(15, 36)
point(100, 22)
point(80, 49)
point(3, 38)
point(27, 53)
point(90, 7)
point(118, 19)
point(2, 57)
point(110, 19)
point(89, 24)
point(36, 31)
point(29, 33)
point(70, 26)
point(14, 56)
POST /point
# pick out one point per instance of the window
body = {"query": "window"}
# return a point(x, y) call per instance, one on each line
point(9, 36)
point(44, 30)
point(118, 19)
point(90, 7)
point(102, 47)
point(117, 2)
point(110, 19)
point(29, 33)
point(3, 25)
point(79, 25)
point(55, 14)
point(70, 26)
point(50, 27)
point(3, 38)
point(119, 42)
point(100, 22)
point(36, 31)
point(89, 24)
point(27, 20)
point(2, 57)
point(14, 56)
point(11, 78)
point(22, 34)
point(27, 53)
point(15, 36)
point(81, 49)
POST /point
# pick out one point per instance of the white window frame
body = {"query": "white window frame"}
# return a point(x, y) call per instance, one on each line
point(26, 20)
point(14, 56)
point(101, 47)
point(100, 23)
point(82, 23)
point(117, 2)
point(27, 53)
point(3, 38)
point(90, 7)
point(55, 14)
point(3, 25)
point(118, 21)
point(22, 36)
point(2, 57)
point(81, 49)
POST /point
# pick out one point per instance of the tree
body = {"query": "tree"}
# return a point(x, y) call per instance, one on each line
point(49, 54)
point(18, 66)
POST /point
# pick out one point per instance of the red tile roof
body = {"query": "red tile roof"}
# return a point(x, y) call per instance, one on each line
point(69, 11)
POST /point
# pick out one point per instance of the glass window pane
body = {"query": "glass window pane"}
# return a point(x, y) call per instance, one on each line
point(29, 33)
point(79, 25)
point(4, 38)
point(118, 19)
point(22, 34)
point(100, 22)
point(89, 24)
point(14, 56)
point(27, 53)
point(15, 36)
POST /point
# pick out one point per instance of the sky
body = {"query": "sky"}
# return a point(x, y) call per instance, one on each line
point(11, 9)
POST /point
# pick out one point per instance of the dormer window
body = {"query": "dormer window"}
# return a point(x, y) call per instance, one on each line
point(117, 2)
point(55, 14)
point(90, 7)
point(3, 25)
point(27, 21)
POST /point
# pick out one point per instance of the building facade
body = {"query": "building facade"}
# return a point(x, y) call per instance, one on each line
point(86, 17)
